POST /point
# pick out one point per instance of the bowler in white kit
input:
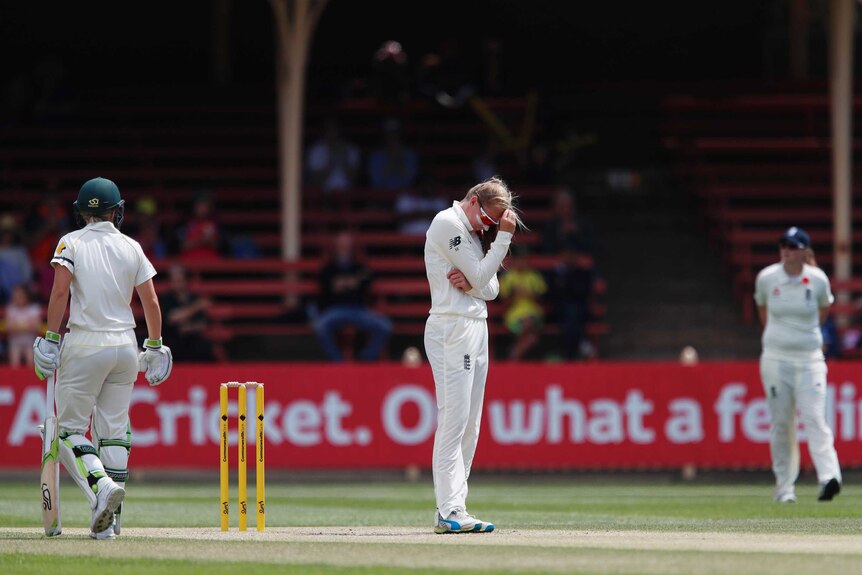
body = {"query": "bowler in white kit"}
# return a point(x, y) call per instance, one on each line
point(96, 270)
point(793, 299)
point(464, 247)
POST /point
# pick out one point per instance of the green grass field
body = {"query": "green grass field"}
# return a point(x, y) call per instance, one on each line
point(543, 526)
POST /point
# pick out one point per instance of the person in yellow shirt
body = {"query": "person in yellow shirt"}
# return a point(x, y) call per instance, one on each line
point(522, 287)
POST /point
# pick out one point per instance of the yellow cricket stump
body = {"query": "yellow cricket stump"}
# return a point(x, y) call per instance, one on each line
point(260, 467)
point(242, 450)
point(242, 467)
point(224, 466)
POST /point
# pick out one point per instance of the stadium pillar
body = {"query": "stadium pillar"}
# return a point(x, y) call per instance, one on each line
point(295, 21)
point(841, 95)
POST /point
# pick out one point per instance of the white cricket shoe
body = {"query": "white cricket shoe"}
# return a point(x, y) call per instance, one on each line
point(108, 498)
point(106, 534)
point(112, 531)
point(786, 496)
point(459, 521)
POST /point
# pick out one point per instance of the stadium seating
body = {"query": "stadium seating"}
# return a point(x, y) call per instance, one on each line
point(169, 153)
point(399, 291)
point(758, 163)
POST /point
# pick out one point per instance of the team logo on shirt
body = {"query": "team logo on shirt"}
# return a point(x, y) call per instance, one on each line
point(776, 292)
point(454, 243)
point(467, 361)
point(60, 248)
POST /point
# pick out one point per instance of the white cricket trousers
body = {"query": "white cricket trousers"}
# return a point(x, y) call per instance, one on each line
point(792, 385)
point(457, 349)
point(94, 376)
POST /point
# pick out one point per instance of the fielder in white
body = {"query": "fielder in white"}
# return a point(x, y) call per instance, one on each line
point(793, 299)
point(98, 361)
point(463, 276)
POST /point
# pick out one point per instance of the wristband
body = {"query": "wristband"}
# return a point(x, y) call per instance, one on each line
point(53, 337)
point(153, 343)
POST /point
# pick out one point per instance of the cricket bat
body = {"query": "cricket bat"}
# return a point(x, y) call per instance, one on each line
point(50, 466)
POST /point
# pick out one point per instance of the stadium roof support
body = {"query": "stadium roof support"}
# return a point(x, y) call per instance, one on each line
point(842, 18)
point(295, 21)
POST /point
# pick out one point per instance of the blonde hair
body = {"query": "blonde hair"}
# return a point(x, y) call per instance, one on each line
point(95, 218)
point(494, 191)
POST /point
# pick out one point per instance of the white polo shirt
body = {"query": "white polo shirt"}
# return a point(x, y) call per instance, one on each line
point(792, 311)
point(106, 267)
point(450, 243)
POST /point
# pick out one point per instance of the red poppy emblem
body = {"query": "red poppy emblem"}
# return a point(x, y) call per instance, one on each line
point(805, 281)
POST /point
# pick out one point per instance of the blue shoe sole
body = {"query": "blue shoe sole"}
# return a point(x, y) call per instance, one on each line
point(479, 528)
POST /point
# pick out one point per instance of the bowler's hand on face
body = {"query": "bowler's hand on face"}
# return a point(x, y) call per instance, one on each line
point(508, 222)
point(457, 279)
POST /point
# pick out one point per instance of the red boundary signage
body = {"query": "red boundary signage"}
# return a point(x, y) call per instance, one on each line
point(584, 416)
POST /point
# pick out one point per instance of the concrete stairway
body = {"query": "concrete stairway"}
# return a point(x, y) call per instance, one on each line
point(666, 289)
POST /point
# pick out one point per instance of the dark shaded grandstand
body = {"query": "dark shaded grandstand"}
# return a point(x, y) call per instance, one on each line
point(688, 154)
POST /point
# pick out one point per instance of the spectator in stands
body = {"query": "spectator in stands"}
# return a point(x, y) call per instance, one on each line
point(793, 299)
point(243, 247)
point(143, 223)
point(345, 289)
point(15, 267)
point(23, 325)
point(332, 163)
point(46, 223)
point(571, 286)
point(566, 227)
point(393, 166)
point(186, 321)
point(150, 237)
point(416, 207)
point(390, 76)
point(831, 339)
point(521, 288)
point(147, 207)
point(201, 238)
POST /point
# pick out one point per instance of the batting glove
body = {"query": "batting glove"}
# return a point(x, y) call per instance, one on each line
point(155, 361)
point(46, 354)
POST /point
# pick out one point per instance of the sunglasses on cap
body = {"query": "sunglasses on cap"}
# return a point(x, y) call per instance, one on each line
point(788, 246)
point(483, 215)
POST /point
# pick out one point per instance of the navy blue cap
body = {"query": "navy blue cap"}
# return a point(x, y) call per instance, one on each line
point(796, 237)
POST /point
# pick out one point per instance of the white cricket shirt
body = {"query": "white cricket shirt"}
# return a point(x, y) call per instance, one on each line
point(450, 243)
point(106, 267)
point(792, 311)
